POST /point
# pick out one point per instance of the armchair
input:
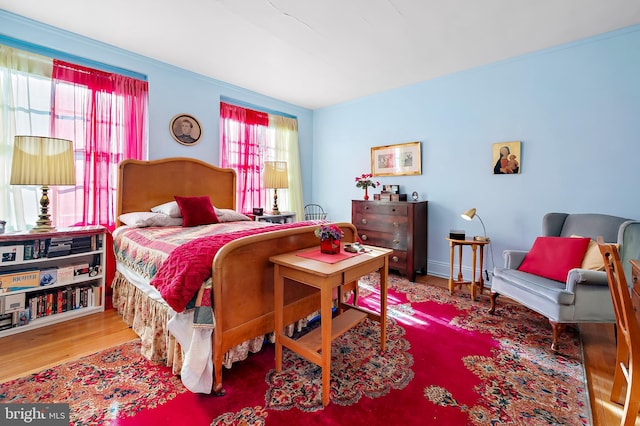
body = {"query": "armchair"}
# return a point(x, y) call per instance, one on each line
point(584, 296)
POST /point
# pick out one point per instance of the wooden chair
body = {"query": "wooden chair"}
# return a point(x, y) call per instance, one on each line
point(314, 212)
point(628, 336)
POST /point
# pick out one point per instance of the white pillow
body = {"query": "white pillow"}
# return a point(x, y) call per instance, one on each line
point(144, 219)
point(228, 215)
point(171, 209)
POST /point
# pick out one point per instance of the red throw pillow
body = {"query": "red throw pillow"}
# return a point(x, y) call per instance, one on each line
point(196, 210)
point(553, 257)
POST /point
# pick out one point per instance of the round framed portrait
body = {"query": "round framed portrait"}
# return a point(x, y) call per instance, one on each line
point(185, 129)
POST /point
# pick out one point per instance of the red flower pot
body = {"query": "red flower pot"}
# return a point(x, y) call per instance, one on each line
point(330, 246)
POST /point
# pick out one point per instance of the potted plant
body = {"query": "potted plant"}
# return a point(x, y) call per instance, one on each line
point(330, 235)
point(364, 181)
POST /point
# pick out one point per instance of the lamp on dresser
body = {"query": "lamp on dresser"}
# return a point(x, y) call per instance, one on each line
point(42, 161)
point(276, 177)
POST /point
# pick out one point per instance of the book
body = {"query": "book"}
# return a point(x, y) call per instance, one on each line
point(24, 316)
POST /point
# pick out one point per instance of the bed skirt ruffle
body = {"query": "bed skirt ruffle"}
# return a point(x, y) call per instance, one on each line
point(148, 318)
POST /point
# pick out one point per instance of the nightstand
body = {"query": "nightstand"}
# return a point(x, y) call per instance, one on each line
point(284, 217)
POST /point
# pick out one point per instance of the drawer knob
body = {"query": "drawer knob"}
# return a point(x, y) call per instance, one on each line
point(364, 221)
point(396, 224)
point(364, 237)
point(396, 241)
point(635, 278)
point(394, 258)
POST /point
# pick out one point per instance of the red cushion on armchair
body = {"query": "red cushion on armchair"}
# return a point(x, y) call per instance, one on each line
point(554, 257)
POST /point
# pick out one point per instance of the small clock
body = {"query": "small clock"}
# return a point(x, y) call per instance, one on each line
point(414, 196)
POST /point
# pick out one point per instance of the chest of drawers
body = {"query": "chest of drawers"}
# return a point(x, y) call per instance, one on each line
point(398, 225)
point(635, 291)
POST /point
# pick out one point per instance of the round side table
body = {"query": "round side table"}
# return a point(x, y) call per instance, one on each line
point(474, 244)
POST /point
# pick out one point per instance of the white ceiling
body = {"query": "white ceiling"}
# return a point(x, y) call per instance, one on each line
point(315, 53)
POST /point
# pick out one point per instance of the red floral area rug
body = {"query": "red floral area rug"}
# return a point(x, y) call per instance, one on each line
point(99, 387)
point(447, 362)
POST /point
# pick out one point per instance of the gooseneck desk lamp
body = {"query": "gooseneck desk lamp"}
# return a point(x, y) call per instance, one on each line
point(469, 215)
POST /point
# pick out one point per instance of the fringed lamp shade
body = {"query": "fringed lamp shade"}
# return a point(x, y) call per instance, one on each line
point(42, 161)
point(276, 176)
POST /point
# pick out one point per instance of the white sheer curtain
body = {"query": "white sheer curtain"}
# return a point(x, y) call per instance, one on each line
point(25, 105)
point(283, 146)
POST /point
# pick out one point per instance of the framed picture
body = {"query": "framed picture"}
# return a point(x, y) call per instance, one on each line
point(507, 158)
point(393, 189)
point(185, 129)
point(396, 160)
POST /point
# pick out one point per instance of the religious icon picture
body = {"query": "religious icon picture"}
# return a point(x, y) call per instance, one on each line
point(507, 158)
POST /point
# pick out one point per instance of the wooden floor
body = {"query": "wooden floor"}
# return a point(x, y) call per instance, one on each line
point(28, 352)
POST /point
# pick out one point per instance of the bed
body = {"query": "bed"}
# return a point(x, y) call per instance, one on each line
point(240, 290)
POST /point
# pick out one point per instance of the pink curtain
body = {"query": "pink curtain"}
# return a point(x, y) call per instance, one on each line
point(104, 114)
point(243, 135)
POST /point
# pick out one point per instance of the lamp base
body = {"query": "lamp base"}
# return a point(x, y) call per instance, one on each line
point(481, 238)
point(41, 229)
point(275, 209)
point(43, 224)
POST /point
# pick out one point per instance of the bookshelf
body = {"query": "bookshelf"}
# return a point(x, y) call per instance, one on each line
point(47, 278)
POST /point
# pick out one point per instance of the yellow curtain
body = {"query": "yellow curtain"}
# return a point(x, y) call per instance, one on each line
point(25, 94)
point(286, 149)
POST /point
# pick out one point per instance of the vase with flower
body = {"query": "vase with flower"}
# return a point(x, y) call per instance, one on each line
point(364, 181)
point(330, 235)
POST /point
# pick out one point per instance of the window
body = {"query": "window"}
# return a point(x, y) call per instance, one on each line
point(103, 113)
point(248, 138)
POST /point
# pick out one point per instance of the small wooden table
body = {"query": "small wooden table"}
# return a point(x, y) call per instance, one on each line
point(284, 217)
point(474, 244)
point(325, 277)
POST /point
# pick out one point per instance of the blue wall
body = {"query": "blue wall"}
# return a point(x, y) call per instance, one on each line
point(576, 109)
point(172, 91)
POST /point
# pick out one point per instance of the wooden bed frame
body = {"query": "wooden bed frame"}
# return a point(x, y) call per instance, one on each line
point(242, 273)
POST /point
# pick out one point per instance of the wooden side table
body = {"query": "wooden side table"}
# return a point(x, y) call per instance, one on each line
point(284, 217)
point(325, 277)
point(474, 244)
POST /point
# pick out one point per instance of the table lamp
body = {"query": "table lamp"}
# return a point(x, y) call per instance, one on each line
point(42, 161)
point(276, 177)
point(469, 215)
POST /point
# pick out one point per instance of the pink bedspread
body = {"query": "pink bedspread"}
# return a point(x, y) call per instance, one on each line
point(143, 250)
point(184, 271)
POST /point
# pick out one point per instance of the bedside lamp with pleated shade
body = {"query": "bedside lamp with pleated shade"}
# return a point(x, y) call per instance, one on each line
point(276, 177)
point(42, 161)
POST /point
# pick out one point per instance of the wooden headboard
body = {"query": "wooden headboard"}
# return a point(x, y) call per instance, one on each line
point(145, 184)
